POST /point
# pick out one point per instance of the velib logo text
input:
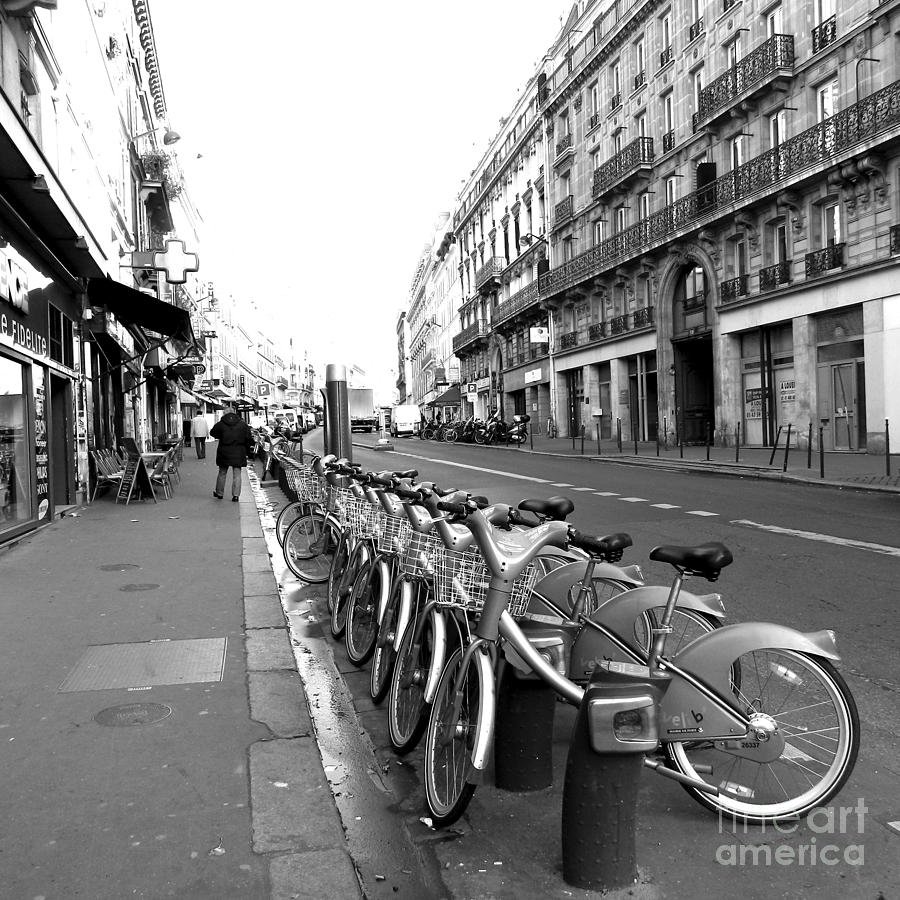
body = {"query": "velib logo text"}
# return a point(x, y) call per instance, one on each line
point(813, 849)
point(13, 284)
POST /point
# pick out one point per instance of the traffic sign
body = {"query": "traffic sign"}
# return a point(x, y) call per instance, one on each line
point(198, 368)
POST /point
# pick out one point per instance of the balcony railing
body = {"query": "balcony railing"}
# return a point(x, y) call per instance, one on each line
point(597, 331)
point(563, 210)
point(635, 155)
point(771, 58)
point(695, 30)
point(570, 339)
point(615, 102)
point(668, 140)
point(491, 269)
point(895, 239)
point(733, 288)
point(640, 80)
point(469, 335)
point(824, 34)
point(564, 144)
point(517, 303)
point(773, 276)
point(727, 4)
point(820, 261)
point(642, 318)
point(594, 120)
point(666, 56)
point(809, 150)
point(618, 324)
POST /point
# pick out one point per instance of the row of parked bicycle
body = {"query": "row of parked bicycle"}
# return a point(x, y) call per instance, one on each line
point(445, 594)
point(493, 430)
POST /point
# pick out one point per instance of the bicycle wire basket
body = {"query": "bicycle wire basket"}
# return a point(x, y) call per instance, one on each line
point(338, 501)
point(363, 516)
point(391, 533)
point(419, 553)
point(462, 579)
point(312, 487)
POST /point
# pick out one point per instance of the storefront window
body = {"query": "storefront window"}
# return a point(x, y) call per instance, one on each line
point(15, 472)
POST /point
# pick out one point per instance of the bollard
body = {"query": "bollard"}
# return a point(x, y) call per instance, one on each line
point(619, 434)
point(338, 412)
point(787, 447)
point(598, 439)
point(617, 724)
point(737, 443)
point(809, 448)
point(681, 447)
point(775, 445)
point(582, 438)
point(523, 733)
point(666, 433)
point(887, 448)
point(531, 438)
point(573, 438)
point(708, 438)
point(821, 453)
point(635, 441)
point(657, 441)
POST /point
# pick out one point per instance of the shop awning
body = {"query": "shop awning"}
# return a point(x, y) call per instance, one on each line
point(131, 307)
point(450, 397)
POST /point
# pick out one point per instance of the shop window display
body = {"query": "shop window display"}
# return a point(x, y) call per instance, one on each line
point(15, 472)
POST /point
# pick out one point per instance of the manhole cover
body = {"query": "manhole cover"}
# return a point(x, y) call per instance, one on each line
point(133, 714)
point(139, 587)
point(118, 567)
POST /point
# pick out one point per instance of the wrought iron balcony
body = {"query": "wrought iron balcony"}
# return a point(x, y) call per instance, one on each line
point(476, 331)
point(824, 34)
point(808, 152)
point(618, 324)
point(594, 120)
point(615, 102)
point(695, 30)
point(772, 59)
point(488, 273)
point(773, 276)
point(640, 80)
point(642, 318)
point(517, 303)
point(634, 158)
point(597, 331)
point(666, 56)
point(734, 288)
point(668, 140)
point(820, 261)
point(563, 210)
point(895, 239)
point(565, 143)
point(570, 339)
point(727, 4)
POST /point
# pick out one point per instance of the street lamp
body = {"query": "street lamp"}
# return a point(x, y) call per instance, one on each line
point(169, 138)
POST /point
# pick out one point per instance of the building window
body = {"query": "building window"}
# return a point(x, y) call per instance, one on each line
point(621, 219)
point(777, 128)
point(698, 88)
point(599, 231)
point(826, 103)
point(668, 113)
point(640, 125)
point(61, 338)
point(738, 151)
point(671, 189)
point(774, 22)
point(734, 52)
point(831, 224)
point(594, 94)
point(644, 205)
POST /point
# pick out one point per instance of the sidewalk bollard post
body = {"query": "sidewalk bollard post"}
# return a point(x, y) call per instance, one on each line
point(821, 453)
point(598, 439)
point(887, 447)
point(681, 446)
point(708, 438)
point(787, 447)
point(665, 433)
point(573, 438)
point(737, 443)
point(617, 724)
point(523, 736)
point(582, 438)
point(338, 412)
point(635, 441)
point(809, 448)
point(619, 434)
point(775, 445)
point(657, 441)
point(531, 438)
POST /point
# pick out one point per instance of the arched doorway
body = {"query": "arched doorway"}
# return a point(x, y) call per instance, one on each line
point(693, 354)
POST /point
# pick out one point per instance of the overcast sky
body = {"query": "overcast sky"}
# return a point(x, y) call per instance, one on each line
point(330, 136)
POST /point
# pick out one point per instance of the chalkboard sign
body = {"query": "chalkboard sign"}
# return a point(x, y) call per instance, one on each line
point(135, 475)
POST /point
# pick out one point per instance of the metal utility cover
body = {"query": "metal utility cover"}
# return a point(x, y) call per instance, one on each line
point(110, 666)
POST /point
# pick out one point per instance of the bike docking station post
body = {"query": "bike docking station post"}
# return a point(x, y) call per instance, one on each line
point(384, 442)
point(337, 412)
point(617, 724)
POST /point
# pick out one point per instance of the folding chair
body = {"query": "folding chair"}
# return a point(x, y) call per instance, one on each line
point(160, 476)
point(106, 476)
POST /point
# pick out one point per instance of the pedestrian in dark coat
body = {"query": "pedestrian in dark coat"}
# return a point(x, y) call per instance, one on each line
point(235, 442)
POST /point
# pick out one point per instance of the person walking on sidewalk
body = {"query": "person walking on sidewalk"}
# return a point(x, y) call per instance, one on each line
point(235, 442)
point(200, 432)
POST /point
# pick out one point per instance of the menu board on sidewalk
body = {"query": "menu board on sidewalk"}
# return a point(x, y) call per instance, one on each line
point(135, 475)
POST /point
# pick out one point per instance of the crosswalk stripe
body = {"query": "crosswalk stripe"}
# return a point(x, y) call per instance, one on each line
point(605, 494)
point(632, 499)
point(824, 538)
point(562, 484)
point(665, 506)
point(582, 489)
point(700, 512)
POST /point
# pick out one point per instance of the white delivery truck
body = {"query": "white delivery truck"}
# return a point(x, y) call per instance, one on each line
point(405, 420)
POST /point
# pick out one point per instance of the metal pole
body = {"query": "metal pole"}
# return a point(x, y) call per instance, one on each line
point(737, 443)
point(821, 453)
point(598, 439)
point(635, 435)
point(809, 448)
point(787, 447)
point(531, 438)
point(582, 438)
point(708, 438)
point(619, 433)
point(338, 412)
point(775, 446)
point(657, 440)
point(681, 446)
point(887, 447)
point(665, 433)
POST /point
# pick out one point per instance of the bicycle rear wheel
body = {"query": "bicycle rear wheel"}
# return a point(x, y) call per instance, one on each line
point(362, 610)
point(343, 585)
point(309, 545)
point(384, 655)
point(338, 567)
point(286, 515)
point(806, 710)
point(452, 730)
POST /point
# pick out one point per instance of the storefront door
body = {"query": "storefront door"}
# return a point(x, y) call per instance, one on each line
point(575, 399)
point(840, 408)
point(16, 482)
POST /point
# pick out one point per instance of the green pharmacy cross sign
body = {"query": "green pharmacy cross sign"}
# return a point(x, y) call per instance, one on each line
point(175, 261)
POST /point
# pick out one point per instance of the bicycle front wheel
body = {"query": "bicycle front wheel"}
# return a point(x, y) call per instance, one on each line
point(453, 725)
point(343, 582)
point(309, 545)
point(384, 655)
point(362, 611)
point(286, 516)
point(806, 710)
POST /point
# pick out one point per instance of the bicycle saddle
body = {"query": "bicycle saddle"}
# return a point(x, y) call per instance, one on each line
point(608, 547)
point(704, 559)
point(554, 508)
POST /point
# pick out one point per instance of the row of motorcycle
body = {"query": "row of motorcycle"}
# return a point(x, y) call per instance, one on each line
point(493, 430)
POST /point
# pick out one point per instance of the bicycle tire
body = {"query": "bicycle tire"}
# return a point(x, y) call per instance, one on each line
point(449, 740)
point(480, 437)
point(338, 565)
point(309, 545)
point(451, 435)
point(687, 625)
point(344, 585)
point(286, 515)
point(384, 654)
point(361, 630)
point(787, 693)
point(407, 710)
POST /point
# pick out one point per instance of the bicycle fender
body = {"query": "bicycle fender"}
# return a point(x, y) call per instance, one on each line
point(403, 617)
point(555, 585)
point(487, 712)
point(384, 579)
point(687, 711)
point(438, 654)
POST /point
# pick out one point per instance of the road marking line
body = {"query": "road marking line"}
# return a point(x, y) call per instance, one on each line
point(444, 462)
point(605, 494)
point(665, 506)
point(582, 489)
point(700, 512)
point(823, 538)
point(894, 825)
point(561, 484)
point(632, 499)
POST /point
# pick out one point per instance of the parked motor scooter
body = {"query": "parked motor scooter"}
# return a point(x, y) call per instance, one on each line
point(518, 431)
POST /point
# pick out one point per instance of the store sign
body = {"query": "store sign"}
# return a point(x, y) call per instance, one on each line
point(13, 284)
point(532, 376)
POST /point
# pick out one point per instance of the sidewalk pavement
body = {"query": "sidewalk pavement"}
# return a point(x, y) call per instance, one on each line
point(851, 470)
point(155, 732)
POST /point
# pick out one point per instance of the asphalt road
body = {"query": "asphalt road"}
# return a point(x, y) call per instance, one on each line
point(809, 558)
